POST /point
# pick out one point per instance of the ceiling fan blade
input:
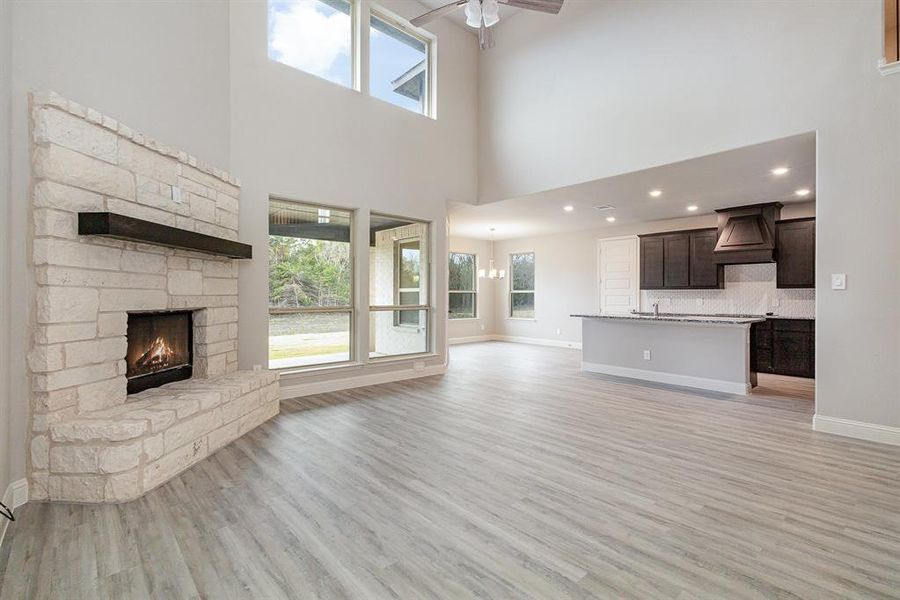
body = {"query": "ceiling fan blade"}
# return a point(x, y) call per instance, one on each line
point(436, 13)
point(546, 6)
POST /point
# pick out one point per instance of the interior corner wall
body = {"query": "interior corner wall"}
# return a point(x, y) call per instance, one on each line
point(5, 90)
point(161, 67)
point(486, 294)
point(300, 137)
point(658, 82)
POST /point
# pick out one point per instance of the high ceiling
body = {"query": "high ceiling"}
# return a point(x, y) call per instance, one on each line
point(726, 179)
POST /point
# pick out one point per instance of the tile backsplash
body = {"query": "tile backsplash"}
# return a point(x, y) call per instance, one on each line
point(749, 289)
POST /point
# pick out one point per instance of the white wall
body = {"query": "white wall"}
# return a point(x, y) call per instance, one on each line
point(485, 308)
point(161, 67)
point(5, 84)
point(304, 138)
point(613, 87)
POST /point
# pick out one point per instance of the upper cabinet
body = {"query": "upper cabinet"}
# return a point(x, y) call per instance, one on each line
point(704, 272)
point(676, 260)
point(680, 260)
point(795, 253)
point(652, 263)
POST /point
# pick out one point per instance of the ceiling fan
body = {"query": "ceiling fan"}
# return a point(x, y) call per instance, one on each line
point(483, 14)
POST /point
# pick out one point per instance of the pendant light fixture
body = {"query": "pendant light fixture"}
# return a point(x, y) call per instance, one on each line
point(492, 273)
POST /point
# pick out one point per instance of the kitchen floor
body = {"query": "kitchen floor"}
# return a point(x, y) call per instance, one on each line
point(782, 386)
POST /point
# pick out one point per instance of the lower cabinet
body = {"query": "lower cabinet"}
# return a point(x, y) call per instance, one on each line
point(784, 347)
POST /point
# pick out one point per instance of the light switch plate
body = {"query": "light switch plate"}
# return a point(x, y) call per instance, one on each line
point(839, 281)
point(646, 355)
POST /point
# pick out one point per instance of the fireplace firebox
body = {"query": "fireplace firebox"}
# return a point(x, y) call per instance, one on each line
point(160, 349)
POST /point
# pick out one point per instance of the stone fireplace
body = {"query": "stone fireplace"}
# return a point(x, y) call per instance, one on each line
point(133, 355)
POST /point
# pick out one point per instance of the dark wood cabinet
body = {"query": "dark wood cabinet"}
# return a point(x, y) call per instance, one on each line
point(784, 347)
point(680, 260)
point(676, 261)
point(704, 272)
point(795, 253)
point(651, 263)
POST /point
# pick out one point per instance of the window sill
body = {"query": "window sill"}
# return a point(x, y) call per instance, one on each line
point(318, 368)
point(394, 359)
point(889, 68)
point(463, 319)
point(521, 319)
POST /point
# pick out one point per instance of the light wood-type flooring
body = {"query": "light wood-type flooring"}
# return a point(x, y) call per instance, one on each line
point(513, 476)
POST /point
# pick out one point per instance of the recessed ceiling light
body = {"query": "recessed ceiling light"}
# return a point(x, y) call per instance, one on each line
point(568, 208)
point(802, 192)
point(611, 219)
point(692, 207)
point(656, 193)
point(780, 170)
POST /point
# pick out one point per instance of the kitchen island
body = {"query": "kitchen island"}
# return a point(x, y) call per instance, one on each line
point(705, 352)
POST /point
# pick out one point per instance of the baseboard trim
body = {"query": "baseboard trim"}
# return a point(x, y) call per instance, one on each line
point(537, 341)
point(347, 383)
point(15, 496)
point(470, 340)
point(872, 432)
point(703, 383)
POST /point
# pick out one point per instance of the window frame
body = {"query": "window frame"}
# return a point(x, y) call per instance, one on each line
point(350, 309)
point(361, 14)
point(427, 308)
point(513, 291)
point(398, 258)
point(473, 291)
point(355, 49)
point(429, 39)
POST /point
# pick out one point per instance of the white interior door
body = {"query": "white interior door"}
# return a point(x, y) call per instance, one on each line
point(619, 275)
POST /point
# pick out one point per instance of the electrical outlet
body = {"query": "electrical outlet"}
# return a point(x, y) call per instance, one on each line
point(839, 281)
point(775, 302)
point(646, 355)
point(482, 326)
point(257, 368)
point(176, 194)
point(558, 331)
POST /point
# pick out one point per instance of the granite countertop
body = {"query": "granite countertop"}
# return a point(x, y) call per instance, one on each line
point(708, 319)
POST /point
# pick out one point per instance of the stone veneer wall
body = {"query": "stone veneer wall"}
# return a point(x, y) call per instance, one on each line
point(85, 285)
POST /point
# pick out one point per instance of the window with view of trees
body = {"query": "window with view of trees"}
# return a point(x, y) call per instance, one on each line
point(462, 281)
point(521, 285)
point(310, 284)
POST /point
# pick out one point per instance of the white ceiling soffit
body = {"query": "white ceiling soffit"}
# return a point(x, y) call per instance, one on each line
point(722, 180)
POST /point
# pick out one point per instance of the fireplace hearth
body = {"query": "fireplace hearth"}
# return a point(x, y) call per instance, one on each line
point(160, 349)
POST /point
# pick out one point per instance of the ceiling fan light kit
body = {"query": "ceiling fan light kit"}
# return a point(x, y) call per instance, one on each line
point(473, 13)
point(483, 14)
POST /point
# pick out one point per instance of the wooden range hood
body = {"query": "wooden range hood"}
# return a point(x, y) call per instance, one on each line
point(746, 234)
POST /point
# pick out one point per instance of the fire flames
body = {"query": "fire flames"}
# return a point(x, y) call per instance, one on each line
point(158, 356)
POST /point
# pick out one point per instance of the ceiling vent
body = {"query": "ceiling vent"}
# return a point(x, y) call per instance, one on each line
point(746, 234)
point(605, 207)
